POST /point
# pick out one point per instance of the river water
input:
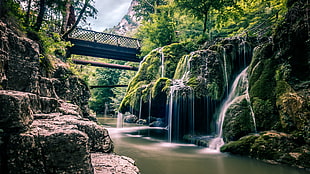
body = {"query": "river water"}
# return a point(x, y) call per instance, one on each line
point(154, 155)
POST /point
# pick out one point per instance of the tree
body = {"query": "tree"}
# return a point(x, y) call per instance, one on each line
point(87, 10)
point(201, 8)
point(41, 14)
point(145, 8)
point(159, 30)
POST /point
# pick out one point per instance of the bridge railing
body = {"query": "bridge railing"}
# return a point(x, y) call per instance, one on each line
point(105, 38)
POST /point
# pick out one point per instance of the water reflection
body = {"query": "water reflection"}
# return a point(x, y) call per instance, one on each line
point(154, 155)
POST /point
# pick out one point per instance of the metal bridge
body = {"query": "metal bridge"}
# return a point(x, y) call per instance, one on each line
point(104, 45)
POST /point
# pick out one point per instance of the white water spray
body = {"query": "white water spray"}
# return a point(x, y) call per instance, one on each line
point(217, 142)
point(225, 69)
point(162, 61)
point(119, 120)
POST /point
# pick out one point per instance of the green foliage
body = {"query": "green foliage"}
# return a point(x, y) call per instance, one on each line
point(201, 8)
point(102, 96)
point(158, 31)
point(253, 18)
point(145, 8)
point(48, 14)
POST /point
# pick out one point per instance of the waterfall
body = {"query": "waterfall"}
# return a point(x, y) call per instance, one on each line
point(106, 107)
point(150, 106)
point(162, 61)
point(244, 52)
point(119, 120)
point(180, 109)
point(247, 97)
point(217, 142)
point(225, 69)
point(188, 66)
point(140, 107)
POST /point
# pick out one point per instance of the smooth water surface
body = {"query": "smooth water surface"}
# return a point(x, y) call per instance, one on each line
point(154, 155)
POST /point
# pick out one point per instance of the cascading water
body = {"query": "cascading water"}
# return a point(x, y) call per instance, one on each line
point(119, 123)
point(150, 106)
point(217, 142)
point(247, 97)
point(244, 52)
point(225, 69)
point(162, 61)
point(180, 111)
point(140, 108)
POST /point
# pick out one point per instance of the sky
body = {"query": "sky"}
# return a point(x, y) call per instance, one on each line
point(110, 13)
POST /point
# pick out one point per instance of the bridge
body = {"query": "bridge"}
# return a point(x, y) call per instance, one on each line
point(104, 45)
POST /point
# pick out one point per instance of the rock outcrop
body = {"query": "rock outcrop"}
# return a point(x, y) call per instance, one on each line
point(129, 23)
point(44, 122)
point(279, 91)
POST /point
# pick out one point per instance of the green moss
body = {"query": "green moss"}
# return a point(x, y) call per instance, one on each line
point(262, 88)
point(159, 87)
point(181, 67)
point(240, 147)
point(238, 120)
point(173, 53)
point(213, 91)
point(282, 88)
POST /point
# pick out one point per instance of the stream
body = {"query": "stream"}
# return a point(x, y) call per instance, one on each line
point(153, 154)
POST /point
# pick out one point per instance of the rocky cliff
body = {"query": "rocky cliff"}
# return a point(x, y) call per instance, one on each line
point(44, 122)
point(129, 23)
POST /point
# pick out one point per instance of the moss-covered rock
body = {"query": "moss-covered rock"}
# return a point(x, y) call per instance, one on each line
point(240, 147)
point(294, 112)
point(238, 120)
point(158, 65)
point(262, 86)
point(273, 147)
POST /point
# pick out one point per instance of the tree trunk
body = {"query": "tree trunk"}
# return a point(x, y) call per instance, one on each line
point(1, 8)
point(27, 21)
point(205, 23)
point(66, 34)
point(65, 18)
point(40, 16)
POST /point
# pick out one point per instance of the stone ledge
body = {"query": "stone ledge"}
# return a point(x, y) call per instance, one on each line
point(112, 164)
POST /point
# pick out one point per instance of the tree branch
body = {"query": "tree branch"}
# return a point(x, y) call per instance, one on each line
point(64, 36)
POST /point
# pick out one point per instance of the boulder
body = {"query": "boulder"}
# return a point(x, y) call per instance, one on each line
point(130, 119)
point(273, 147)
point(15, 111)
point(49, 151)
point(112, 163)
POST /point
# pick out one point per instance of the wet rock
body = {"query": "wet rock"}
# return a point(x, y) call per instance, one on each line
point(112, 163)
point(273, 147)
point(158, 124)
point(293, 111)
point(130, 119)
point(238, 120)
point(142, 121)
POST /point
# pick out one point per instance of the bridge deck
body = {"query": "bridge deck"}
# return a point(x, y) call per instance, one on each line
point(97, 44)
